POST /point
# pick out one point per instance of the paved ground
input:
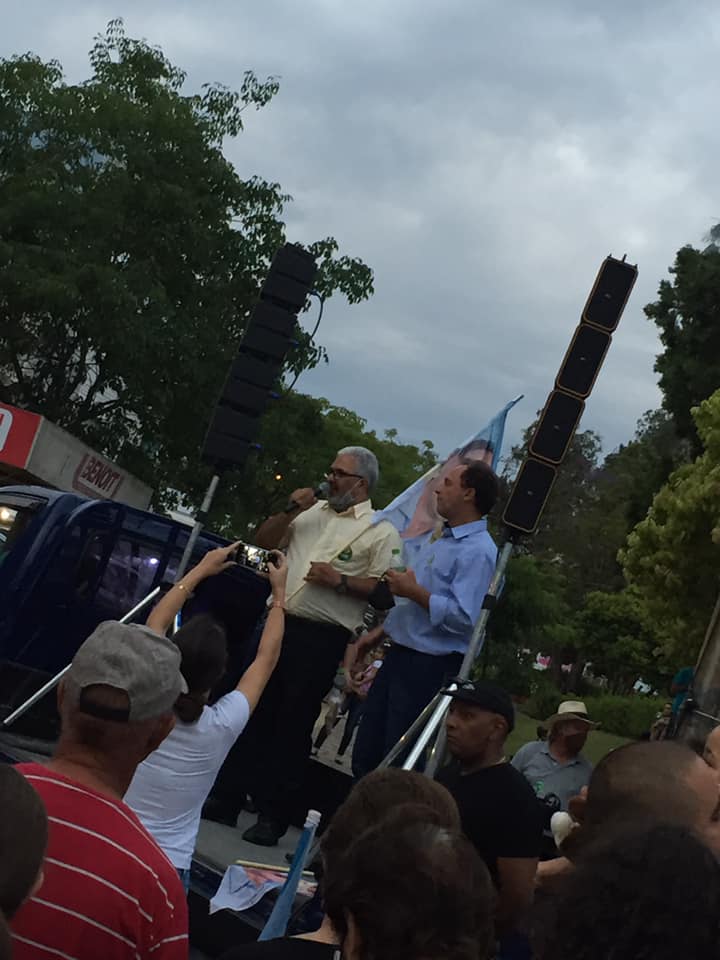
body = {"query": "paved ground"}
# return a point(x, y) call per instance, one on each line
point(220, 845)
point(328, 751)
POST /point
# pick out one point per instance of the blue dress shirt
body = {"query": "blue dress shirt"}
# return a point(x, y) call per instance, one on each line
point(456, 569)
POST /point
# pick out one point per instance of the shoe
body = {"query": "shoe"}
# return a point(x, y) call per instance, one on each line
point(213, 811)
point(264, 833)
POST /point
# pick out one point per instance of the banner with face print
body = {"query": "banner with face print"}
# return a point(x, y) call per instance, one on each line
point(413, 511)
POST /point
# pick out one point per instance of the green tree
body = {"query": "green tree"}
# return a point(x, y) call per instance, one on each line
point(532, 616)
point(622, 490)
point(687, 315)
point(671, 556)
point(594, 506)
point(615, 635)
point(559, 537)
point(131, 253)
point(631, 475)
point(299, 439)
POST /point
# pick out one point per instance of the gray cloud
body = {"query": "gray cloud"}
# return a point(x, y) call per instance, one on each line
point(482, 157)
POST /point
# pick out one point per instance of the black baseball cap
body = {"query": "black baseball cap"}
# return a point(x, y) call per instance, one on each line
point(481, 693)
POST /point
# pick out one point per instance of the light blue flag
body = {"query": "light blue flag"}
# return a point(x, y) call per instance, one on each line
point(413, 511)
point(277, 922)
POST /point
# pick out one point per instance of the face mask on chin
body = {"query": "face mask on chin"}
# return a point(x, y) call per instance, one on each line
point(574, 742)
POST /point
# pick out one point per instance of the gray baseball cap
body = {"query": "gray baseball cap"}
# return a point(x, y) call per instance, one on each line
point(131, 658)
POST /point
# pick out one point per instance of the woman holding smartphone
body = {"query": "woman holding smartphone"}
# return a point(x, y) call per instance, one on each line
point(171, 785)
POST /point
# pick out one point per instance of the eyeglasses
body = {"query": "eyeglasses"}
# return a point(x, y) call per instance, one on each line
point(341, 474)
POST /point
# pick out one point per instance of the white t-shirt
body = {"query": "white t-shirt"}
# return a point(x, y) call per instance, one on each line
point(171, 785)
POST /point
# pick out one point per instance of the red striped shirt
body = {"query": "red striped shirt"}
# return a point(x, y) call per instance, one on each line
point(109, 892)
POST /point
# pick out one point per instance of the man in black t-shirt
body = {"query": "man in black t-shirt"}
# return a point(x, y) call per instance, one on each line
point(498, 808)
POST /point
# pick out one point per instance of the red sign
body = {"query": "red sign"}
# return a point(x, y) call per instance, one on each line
point(95, 477)
point(18, 430)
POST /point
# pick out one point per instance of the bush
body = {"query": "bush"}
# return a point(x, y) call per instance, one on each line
point(629, 716)
point(510, 668)
point(544, 696)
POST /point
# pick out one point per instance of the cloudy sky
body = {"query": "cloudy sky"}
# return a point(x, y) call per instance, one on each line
point(483, 156)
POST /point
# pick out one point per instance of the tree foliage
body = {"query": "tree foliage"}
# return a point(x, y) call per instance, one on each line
point(131, 252)
point(533, 615)
point(559, 537)
point(300, 437)
point(687, 315)
point(672, 555)
point(615, 635)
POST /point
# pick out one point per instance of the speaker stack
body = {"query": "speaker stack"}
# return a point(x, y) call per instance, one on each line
point(254, 373)
point(573, 385)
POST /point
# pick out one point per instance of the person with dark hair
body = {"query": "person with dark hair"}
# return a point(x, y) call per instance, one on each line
point(645, 782)
point(411, 891)
point(410, 795)
point(171, 785)
point(5, 941)
point(23, 839)
point(499, 811)
point(651, 782)
point(109, 891)
point(443, 596)
point(641, 893)
point(425, 517)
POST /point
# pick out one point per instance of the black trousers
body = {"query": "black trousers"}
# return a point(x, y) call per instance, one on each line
point(269, 760)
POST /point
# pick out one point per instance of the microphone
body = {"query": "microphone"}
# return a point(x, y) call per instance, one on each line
point(321, 492)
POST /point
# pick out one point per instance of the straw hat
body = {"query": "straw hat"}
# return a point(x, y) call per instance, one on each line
point(571, 710)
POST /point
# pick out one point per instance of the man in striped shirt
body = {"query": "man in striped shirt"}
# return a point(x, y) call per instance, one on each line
point(109, 892)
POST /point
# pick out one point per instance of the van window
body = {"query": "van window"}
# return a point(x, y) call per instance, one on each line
point(15, 515)
point(130, 573)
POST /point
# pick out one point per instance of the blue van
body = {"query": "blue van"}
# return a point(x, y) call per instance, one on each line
point(67, 563)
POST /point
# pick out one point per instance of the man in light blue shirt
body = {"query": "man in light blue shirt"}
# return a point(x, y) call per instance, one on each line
point(438, 598)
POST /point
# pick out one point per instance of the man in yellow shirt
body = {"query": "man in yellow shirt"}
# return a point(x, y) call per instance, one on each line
point(336, 555)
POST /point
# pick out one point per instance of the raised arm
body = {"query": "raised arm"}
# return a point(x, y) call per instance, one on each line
point(273, 533)
point(164, 612)
point(254, 680)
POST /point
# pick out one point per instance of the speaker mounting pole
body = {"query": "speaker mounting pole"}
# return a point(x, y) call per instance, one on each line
point(200, 518)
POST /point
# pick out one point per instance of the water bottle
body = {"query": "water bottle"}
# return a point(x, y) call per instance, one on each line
point(398, 565)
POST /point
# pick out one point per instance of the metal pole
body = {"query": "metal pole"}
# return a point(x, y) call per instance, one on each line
point(54, 681)
point(474, 647)
point(200, 519)
point(422, 741)
point(478, 634)
point(416, 726)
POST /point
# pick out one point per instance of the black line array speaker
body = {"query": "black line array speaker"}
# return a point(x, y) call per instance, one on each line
point(235, 423)
point(564, 407)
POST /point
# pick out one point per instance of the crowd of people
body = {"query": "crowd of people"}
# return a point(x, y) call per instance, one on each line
point(537, 854)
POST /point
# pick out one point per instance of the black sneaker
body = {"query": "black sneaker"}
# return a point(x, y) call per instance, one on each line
point(264, 833)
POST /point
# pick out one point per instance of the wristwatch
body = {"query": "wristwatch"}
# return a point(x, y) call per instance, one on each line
point(342, 587)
